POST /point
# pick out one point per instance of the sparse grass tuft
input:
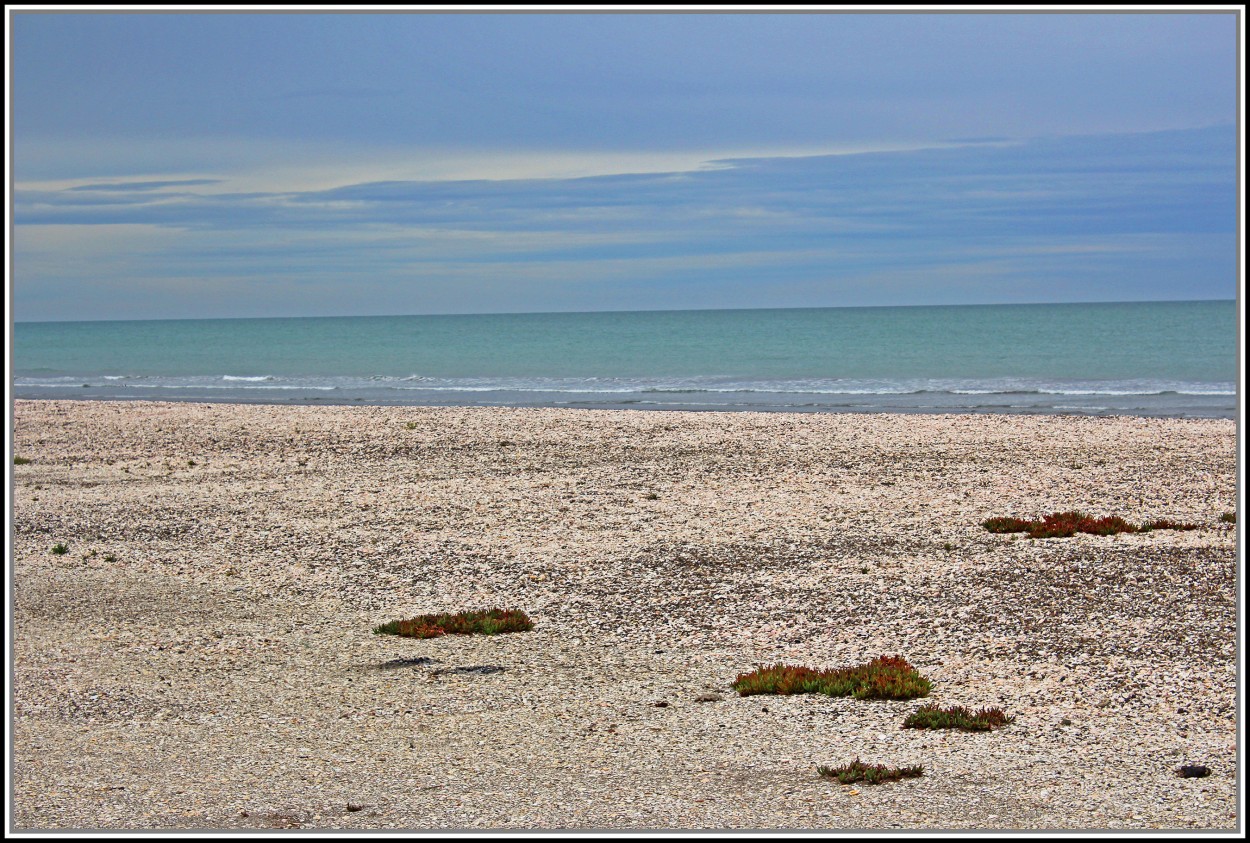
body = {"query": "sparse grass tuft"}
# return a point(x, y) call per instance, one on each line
point(20, 461)
point(488, 622)
point(858, 771)
point(957, 717)
point(1064, 524)
point(60, 549)
point(1165, 524)
point(884, 678)
point(1229, 518)
point(411, 425)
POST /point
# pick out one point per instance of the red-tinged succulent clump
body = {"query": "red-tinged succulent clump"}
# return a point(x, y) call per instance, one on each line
point(1007, 525)
point(957, 717)
point(1108, 526)
point(488, 622)
point(887, 677)
point(1064, 524)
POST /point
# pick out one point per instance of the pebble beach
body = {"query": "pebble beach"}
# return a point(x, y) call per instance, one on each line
point(201, 656)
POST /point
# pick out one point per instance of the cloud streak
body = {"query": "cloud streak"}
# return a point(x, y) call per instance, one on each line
point(967, 217)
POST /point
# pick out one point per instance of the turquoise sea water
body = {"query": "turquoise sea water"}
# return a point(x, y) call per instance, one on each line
point(1146, 358)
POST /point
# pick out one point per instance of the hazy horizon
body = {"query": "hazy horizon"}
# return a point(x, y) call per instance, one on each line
point(643, 310)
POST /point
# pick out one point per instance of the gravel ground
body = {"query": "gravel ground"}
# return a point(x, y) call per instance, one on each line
point(202, 656)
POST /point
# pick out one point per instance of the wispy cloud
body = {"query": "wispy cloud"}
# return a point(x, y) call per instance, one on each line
point(133, 186)
point(1150, 182)
point(939, 223)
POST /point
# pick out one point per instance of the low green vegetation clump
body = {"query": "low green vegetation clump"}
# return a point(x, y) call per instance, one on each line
point(885, 678)
point(1167, 524)
point(1064, 524)
point(1229, 517)
point(1007, 524)
point(60, 549)
point(487, 622)
point(858, 771)
point(957, 717)
point(20, 461)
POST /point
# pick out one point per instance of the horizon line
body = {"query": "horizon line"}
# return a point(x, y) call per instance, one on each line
point(642, 310)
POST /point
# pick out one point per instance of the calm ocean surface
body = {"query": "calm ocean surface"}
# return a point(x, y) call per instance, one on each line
point(1175, 359)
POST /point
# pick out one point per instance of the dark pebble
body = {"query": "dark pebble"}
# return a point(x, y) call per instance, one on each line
point(478, 669)
point(416, 661)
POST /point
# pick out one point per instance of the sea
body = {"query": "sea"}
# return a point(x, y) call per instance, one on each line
point(1161, 359)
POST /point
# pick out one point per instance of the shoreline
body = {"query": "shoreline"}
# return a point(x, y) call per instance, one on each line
point(660, 554)
point(1164, 405)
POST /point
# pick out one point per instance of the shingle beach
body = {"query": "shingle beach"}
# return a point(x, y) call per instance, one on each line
point(202, 655)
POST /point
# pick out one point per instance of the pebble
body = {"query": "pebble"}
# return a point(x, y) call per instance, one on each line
point(212, 622)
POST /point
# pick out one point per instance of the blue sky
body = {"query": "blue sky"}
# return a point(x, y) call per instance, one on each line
point(174, 165)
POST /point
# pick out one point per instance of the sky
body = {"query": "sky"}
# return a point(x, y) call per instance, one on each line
point(174, 165)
